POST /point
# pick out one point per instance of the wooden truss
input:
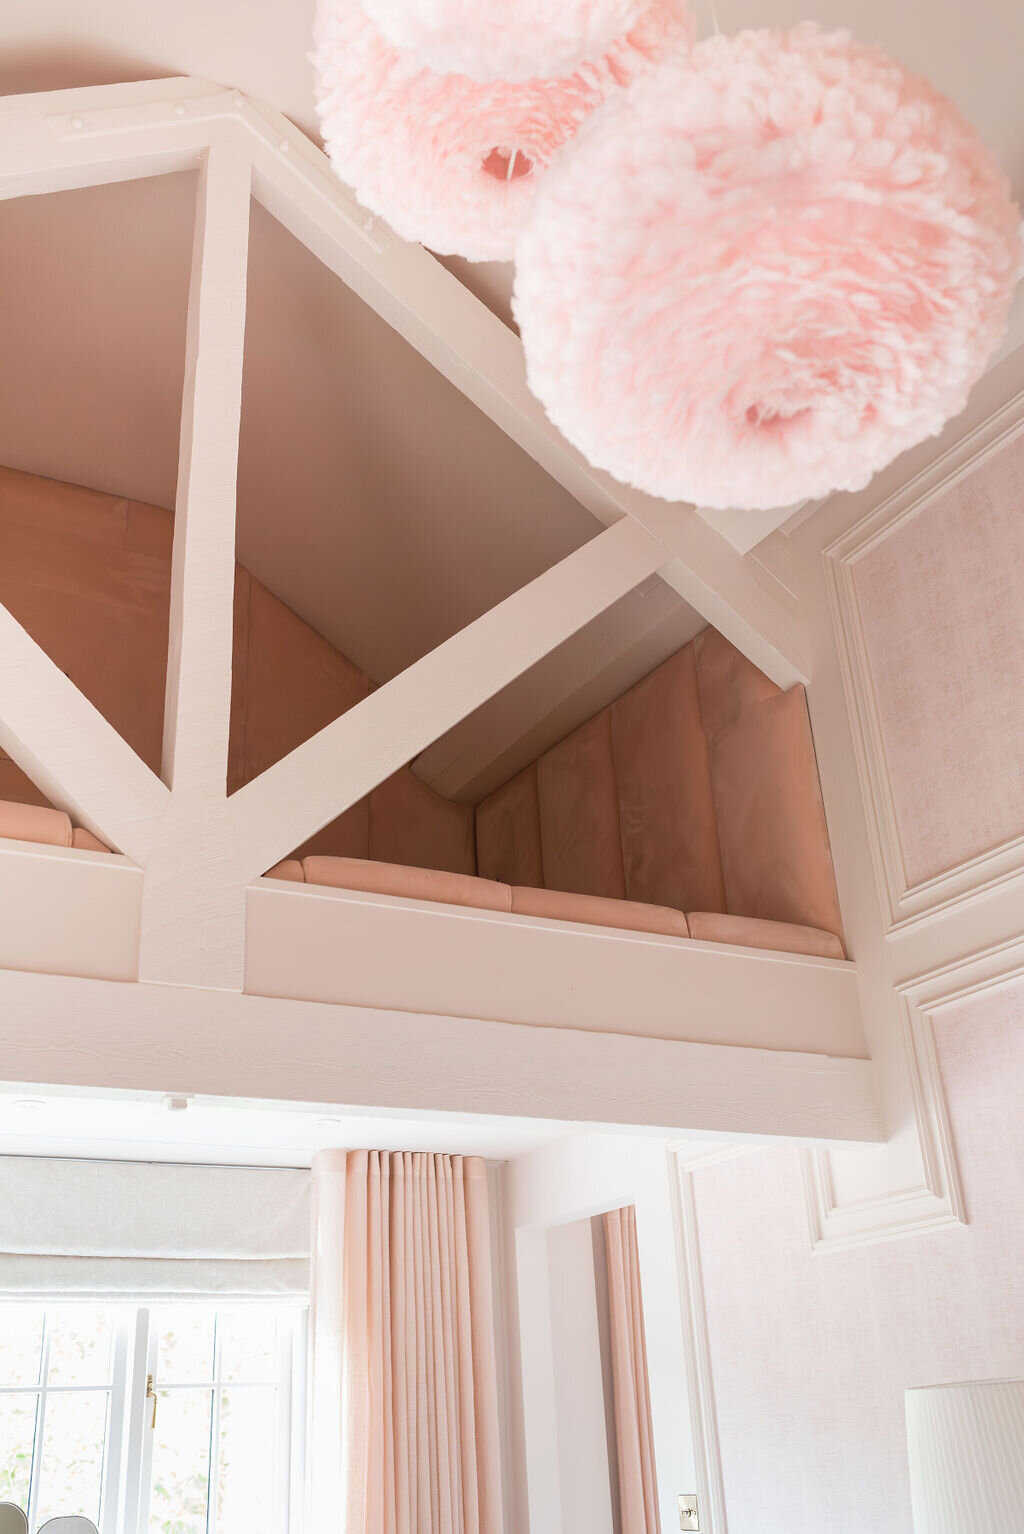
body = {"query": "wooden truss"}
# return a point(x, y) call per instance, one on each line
point(327, 995)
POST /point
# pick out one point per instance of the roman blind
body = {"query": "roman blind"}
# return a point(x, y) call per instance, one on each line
point(126, 1229)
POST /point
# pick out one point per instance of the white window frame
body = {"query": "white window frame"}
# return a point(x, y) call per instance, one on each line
point(128, 1442)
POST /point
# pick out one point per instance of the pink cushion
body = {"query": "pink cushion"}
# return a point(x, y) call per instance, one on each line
point(33, 823)
point(596, 911)
point(748, 932)
point(579, 813)
point(410, 883)
point(508, 832)
point(290, 869)
point(666, 806)
point(85, 840)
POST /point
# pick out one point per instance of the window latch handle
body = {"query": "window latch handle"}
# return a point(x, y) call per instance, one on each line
point(151, 1396)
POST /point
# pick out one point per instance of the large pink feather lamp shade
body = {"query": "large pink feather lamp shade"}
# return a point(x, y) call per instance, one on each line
point(762, 272)
point(445, 159)
point(505, 39)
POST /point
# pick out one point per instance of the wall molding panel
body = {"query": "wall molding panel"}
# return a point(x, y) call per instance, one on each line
point(907, 905)
point(690, 1158)
point(928, 1203)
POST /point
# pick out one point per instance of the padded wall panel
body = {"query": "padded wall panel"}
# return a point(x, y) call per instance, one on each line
point(666, 805)
point(579, 813)
point(730, 684)
point(771, 819)
point(88, 575)
point(508, 832)
point(411, 824)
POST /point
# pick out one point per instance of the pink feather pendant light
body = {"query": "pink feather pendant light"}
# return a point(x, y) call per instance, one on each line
point(761, 273)
point(445, 159)
point(505, 39)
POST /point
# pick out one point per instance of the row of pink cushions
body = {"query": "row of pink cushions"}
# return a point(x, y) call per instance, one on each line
point(592, 910)
point(35, 823)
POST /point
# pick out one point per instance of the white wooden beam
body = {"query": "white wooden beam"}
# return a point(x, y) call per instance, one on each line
point(63, 743)
point(598, 664)
point(337, 767)
point(198, 696)
point(60, 1031)
point(55, 141)
point(193, 898)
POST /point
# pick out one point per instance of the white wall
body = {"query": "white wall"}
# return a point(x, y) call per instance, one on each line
point(811, 1354)
point(571, 1181)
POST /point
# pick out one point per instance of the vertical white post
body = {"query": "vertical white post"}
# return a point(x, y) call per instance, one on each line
point(193, 910)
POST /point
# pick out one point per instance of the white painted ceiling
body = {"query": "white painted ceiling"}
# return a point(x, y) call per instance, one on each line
point(125, 1126)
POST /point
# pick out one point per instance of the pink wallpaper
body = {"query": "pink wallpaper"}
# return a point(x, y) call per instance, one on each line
point(812, 1357)
point(943, 615)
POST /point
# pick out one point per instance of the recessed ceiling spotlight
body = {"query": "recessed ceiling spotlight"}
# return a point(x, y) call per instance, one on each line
point(29, 1104)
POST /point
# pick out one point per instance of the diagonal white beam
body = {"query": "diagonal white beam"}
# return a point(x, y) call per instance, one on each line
point(336, 768)
point(64, 744)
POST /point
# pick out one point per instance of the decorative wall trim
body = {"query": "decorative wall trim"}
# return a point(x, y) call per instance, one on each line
point(929, 1203)
point(937, 1199)
point(906, 905)
point(690, 1158)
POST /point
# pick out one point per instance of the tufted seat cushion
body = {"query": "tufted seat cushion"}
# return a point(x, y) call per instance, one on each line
point(750, 932)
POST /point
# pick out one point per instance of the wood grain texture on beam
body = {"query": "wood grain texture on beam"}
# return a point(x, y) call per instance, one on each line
point(198, 696)
point(60, 1031)
point(321, 778)
point(63, 743)
point(193, 898)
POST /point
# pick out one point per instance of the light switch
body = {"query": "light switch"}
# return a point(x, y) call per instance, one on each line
point(688, 1512)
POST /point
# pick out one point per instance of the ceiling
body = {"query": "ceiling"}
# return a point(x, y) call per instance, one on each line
point(125, 1126)
point(373, 497)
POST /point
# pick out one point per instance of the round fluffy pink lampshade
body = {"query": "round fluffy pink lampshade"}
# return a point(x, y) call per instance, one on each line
point(447, 160)
point(505, 39)
point(759, 277)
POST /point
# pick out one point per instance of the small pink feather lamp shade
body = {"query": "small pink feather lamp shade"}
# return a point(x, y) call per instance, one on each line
point(445, 159)
point(504, 39)
point(761, 273)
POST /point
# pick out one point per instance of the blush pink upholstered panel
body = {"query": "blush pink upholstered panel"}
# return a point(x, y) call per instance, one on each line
point(663, 776)
point(579, 813)
point(410, 823)
point(771, 820)
point(508, 832)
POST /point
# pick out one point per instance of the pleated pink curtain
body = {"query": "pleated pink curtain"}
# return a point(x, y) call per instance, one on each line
point(638, 1486)
point(404, 1431)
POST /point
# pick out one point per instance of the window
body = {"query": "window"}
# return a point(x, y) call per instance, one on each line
point(165, 1420)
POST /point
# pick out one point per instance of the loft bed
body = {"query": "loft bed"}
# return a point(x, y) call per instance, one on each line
point(688, 809)
point(678, 965)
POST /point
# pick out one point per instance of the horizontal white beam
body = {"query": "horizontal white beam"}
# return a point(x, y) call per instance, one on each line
point(60, 1031)
point(60, 140)
point(321, 778)
point(63, 743)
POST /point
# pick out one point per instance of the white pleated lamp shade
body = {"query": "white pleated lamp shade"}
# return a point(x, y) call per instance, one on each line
point(966, 1446)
